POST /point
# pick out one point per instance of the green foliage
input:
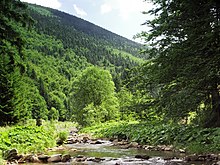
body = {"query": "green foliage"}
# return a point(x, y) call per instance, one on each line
point(26, 104)
point(183, 67)
point(40, 85)
point(40, 10)
point(12, 15)
point(94, 97)
point(53, 114)
point(125, 99)
point(98, 46)
point(192, 138)
point(62, 137)
point(27, 139)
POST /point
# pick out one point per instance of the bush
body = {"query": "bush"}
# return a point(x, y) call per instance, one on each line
point(62, 137)
point(26, 139)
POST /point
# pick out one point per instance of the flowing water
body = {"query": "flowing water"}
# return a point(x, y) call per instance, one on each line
point(114, 155)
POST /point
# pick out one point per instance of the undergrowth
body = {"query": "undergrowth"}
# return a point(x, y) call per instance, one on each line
point(29, 138)
point(193, 138)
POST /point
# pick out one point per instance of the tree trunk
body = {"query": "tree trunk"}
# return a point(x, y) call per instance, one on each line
point(214, 118)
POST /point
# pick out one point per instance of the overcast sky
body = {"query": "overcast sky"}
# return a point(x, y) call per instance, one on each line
point(123, 17)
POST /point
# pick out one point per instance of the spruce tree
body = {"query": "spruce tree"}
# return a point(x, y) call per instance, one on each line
point(184, 59)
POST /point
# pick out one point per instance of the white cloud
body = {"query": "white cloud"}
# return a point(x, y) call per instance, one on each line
point(55, 4)
point(106, 8)
point(126, 8)
point(80, 12)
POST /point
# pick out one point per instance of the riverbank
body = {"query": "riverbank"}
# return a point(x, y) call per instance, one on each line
point(84, 149)
point(29, 138)
point(191, 139)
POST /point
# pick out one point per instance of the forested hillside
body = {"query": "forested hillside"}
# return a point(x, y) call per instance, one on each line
point(57, 67)
point(57, 51)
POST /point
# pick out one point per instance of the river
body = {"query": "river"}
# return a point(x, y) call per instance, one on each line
point(108, 154)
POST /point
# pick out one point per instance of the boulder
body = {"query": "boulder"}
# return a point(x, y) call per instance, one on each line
point(66, 158)
point(134, 145)
point(55, 158)
point(43, 158)
point(10, 154)
point(34, 159)
point(29, 158)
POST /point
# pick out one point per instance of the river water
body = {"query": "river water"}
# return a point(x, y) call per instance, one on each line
point(114, 155)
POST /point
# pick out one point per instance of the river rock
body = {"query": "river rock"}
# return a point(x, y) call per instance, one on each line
point(171, 163)
point(182, 150)
point(97, 160)
point(43, 158)
point(134, 145)
point(66, 158)
point(142, 157)
point(191, 158)
point(55, 158)
point(115, 142)
point(74, 131)
point(85, 139)
point(80, 158)
point(213, 157)
point(123, 142)
point(10, 154)
point(168, 148)
point(148, 147)
point(98, 142)
point(34, 159)
point(72, 140)
point(72, 150)
point(12, 162)
point(217, 163)
point(29, 158)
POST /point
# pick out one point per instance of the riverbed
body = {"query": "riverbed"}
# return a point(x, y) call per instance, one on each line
point(107, 153)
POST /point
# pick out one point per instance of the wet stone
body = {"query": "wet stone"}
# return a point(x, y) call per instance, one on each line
point(66, 158)
point(142, 157)
point(55, 158)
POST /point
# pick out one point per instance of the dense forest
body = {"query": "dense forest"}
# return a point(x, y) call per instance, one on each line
point(50, 56)
point(57, 67)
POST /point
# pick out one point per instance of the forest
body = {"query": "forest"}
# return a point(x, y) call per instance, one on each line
point(57, 67)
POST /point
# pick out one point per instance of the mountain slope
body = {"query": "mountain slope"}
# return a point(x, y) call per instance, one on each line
point(57, 50)
point(74, 31)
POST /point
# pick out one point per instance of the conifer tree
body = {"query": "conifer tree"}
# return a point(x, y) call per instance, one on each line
point(11, 44)
point(185, 58)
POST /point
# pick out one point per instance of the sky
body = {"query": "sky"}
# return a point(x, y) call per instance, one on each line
point(123, 17)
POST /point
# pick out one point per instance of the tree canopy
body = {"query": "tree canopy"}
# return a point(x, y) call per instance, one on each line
point(11, 44)
point(184, 59)
point(94, 96)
